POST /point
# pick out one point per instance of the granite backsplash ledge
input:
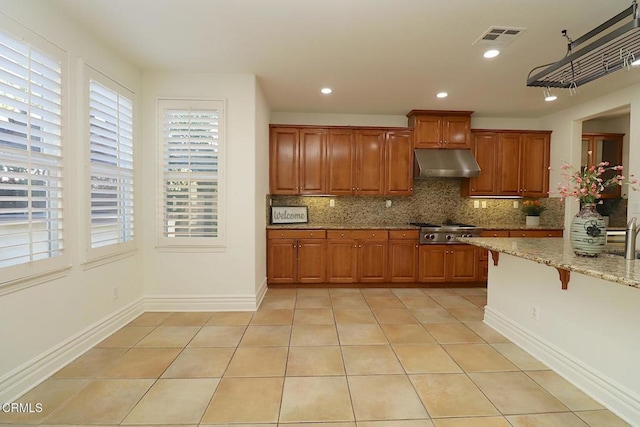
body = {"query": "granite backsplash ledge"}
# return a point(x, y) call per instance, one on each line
point(434, 200)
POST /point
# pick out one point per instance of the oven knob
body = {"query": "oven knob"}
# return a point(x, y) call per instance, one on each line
point(449, 237)
point(429, 236)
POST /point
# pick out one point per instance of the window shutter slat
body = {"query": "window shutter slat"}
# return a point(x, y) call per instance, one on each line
point(111, 156)
point(31, 215)
point(190, 157)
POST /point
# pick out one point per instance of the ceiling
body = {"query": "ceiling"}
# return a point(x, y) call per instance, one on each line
point(379, 56)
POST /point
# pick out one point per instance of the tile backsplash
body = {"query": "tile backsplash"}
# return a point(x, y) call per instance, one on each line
point(434, 200)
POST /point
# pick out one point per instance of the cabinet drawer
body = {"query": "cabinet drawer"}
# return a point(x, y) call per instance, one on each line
point(358, 234)
point(296, 234)
point(535, 233)
point(403, 234)
point(494, 233)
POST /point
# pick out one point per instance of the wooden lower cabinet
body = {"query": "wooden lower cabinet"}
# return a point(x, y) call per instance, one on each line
point(403, 256)
point(483, 254)
point(296, 256)
point(448, 263)
point(357, 256)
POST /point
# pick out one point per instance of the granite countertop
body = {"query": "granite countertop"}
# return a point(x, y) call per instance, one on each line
point(319, 226)
point(342, 226)
point(557, 252)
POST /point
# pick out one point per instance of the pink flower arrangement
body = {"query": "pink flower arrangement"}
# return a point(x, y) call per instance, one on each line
point(587, 184)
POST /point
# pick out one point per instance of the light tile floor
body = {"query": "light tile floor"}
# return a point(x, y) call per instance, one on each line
point(315, 357)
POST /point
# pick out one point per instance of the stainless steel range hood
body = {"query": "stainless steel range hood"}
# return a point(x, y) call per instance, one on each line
point(445, 163)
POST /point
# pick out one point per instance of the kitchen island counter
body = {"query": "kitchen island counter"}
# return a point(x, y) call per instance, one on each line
point(586, 331)
point(557, 252)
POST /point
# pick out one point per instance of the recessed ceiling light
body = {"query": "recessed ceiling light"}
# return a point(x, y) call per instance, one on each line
point(442, 95)
point(491, 53)
point(326, 90)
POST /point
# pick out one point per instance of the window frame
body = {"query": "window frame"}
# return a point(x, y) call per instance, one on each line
point(191, 243)
point(114, 251)
point(20, 276)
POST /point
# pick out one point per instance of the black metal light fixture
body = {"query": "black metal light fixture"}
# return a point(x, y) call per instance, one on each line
point(611, 46)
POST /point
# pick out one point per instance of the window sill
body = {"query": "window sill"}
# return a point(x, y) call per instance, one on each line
point(191, 249)
point(107, 259)
point(34, 280)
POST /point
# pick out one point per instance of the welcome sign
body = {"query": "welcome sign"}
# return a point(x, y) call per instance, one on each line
point(289, 214)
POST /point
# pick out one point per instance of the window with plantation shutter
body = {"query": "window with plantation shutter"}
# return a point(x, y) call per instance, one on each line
point(31, 163)
point(191, 157)
point(111, 165)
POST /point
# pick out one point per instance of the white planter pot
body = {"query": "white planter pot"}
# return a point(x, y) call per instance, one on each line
point(532, 221)
point(588, 233)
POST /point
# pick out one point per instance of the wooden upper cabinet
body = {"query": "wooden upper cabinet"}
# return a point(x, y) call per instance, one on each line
point(283, 161)
point(441, 129)
point(312, 156)
point(297, 161)
point(341, 156)
point(370, 168)
point(399, 163)
point(509, 164)
point(535, 164)
point(340, 160)
point(512, 163)
point(604, 147)
point(484, 146)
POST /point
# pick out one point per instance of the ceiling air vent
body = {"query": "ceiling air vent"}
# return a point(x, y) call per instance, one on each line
point(499, 36)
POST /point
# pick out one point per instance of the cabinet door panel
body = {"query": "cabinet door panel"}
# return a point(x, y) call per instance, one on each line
point(399, 164)
point(312, 161)
point(485, 150)
point(372, 261)
point(370, 161)
point(283, 162)
point(342, 261)
point(462, 262)
point(403, 261)
point(341, 159)
point(281, 260)
point(428, 131)
point(432, 263)
point(509, 165)
point(312, 264)
point(457, 132)
point(535, 165)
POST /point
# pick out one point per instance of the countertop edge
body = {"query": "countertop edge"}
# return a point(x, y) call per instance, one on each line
point(308, 226)
point(605, 266)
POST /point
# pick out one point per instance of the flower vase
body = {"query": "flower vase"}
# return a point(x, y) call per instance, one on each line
point(588, 232)
point(532, 221)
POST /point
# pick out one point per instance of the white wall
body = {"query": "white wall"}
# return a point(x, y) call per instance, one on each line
point(45, 326)
point(283, 118)
point(392, 121)
point(567, 145)
point(587, 333)
point(210, 279)
point(262, 189)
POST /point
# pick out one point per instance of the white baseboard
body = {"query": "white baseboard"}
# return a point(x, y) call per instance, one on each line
point(618, 399)
point(200, 303)
point(31, 373)
point(262, 291)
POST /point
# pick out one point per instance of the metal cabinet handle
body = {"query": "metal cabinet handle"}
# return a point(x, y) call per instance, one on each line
point(341, 234)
